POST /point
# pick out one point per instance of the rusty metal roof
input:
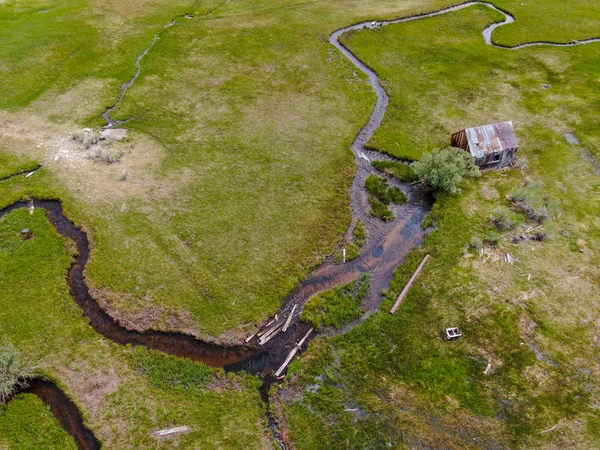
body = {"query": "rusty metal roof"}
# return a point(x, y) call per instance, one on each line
point(491, 138)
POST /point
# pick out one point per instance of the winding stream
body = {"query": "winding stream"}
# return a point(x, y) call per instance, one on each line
point(388, 245)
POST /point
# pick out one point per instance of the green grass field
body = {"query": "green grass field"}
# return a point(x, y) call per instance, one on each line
point(234, 184)
point(395, 382)
point(125, 393)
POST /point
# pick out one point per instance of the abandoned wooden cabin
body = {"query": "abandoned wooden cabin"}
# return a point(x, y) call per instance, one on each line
point(492, 146)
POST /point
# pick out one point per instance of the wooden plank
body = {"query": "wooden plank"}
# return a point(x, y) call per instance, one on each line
point(265, 328)
point(271, 331)
point(249, 338)
point(287, 361)
point(292, 354)
point(171, 431)
point(409, 285)
point(266, 339)
point(289, 319)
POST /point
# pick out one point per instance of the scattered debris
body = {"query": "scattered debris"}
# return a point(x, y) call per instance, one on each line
point(363, 156)
point(31, 207)
point(488, 369)
point(452, 333)
point(266, 337)
point(509, 258)
point(29, 174)
point(408, 285)
point(549, 430)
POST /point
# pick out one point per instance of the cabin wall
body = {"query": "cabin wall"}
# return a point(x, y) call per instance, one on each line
point(507, 157)
point(460, 140)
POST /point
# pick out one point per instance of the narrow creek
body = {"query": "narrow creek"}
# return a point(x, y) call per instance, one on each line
point(387, 246)
point(106, 115)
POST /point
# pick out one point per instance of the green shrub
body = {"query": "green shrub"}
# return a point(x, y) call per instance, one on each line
point(399, 171)
point(505, 219)
point(86, 137)
point(14, 371)
point(476, 243)
point(107, 155)
point(494, 237)
point(339, 306)
point(530, 201)
point(380, 210)
point(443, 170)
point(381, 196)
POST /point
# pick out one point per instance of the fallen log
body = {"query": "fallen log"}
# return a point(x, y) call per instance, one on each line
point(171, 431)
point(266, 333)
point(265, 329)
point(249, 338)
point(408, 285)
point(291, 355)
point(289, 319)
point(266, 339)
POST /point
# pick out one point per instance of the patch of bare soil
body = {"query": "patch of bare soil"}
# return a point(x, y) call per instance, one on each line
point(157, 318)
point(452, 428)
point(222, 384)
point(91, 384)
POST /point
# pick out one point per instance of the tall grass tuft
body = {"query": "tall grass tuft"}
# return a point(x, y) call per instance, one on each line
point(529, 200)
point(14, 371)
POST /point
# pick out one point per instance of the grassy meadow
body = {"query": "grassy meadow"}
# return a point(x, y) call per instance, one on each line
point(234, 185)
point(235, 181)
point(124, 393)
point(395, 382)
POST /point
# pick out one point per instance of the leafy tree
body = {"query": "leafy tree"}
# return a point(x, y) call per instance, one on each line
point(14, 371)
point(443, 170)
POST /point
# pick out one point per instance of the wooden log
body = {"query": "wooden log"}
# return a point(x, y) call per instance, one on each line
point(287, 361)
point(265, 329)
point(487, 369)
point(249, 338)
point(289, 319)
point(291, 355)
point(270, 331)
point(266, 339)
point(409, 285)
point(171, 431)
point(305, 337)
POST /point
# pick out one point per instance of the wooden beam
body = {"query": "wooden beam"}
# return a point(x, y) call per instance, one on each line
point(289, 319)
point(266, 339)
point(408, 285)
point(291, 355)
point(272, 332)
